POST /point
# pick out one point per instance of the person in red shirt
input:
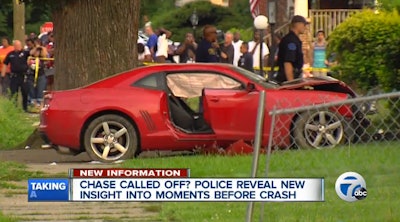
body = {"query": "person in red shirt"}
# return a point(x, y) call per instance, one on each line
point(4, 50)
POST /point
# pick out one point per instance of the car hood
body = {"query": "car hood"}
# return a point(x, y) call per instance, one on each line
point(318, 83)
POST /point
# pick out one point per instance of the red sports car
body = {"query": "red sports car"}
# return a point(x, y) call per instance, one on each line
point(147, 109)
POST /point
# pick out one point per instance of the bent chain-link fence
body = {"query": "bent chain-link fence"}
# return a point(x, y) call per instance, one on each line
point(334, 121)
point(313, 129)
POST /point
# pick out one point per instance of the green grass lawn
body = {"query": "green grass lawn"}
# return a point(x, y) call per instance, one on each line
point(4, 218)
point(379, 165)
point(15, 125)
point(11, 171)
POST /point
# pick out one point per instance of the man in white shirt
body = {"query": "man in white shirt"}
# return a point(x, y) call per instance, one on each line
point(162, 45)
point(254, 48)
point(236, 45)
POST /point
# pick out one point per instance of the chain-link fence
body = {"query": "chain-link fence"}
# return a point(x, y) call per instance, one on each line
point(334, 121)
point(323, 134)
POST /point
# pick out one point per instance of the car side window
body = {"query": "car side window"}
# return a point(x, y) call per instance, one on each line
point(153, 81)
point(191, 84)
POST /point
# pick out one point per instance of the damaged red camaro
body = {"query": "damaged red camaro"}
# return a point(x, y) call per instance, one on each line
point(183, 107)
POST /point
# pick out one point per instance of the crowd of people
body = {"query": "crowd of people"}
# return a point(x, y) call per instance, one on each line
point(294, 51)
point(232, 50)
point(28, 70)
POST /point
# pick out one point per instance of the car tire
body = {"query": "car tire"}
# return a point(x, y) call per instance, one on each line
point(109, 138)
point(319, 130)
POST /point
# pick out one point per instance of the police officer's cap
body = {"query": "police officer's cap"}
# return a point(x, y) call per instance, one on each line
point(299, 19)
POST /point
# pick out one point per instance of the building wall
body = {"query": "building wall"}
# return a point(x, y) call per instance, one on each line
point(284, 10)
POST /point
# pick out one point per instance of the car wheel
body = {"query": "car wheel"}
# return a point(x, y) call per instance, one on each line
point(109, 138)
point(319, 130)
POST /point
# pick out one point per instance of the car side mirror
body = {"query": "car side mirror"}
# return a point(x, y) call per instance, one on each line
point(250, 87)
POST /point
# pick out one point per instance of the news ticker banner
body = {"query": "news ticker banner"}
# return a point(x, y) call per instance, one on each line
point(85, 185)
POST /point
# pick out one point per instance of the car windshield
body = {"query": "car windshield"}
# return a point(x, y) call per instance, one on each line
point(256, 78)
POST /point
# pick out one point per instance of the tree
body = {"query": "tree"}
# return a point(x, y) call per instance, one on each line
point(94, 39)
point(224, 18)
point(36, 13)
point(390, 5)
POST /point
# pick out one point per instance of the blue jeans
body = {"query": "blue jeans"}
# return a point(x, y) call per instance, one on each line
point(36, 92)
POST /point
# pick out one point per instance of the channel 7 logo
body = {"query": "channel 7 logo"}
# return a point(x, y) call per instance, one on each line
point(350, 186)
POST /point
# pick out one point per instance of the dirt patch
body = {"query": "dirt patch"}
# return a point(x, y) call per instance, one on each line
point(13, 202)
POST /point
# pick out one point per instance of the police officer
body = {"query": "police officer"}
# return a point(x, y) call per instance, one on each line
point(208, 49)
point(290, 54)
point(19, 66)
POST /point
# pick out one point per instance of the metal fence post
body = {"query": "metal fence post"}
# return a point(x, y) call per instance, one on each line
point(256, 147)
point(270, 138)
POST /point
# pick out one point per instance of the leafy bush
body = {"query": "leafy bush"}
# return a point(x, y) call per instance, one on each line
point(367, 50)
point(178, 20)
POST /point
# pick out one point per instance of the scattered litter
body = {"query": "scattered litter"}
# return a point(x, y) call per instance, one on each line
point(95, 162)
point(27, 147)
point(35, 124)
point(46, 146)
point(119, 161)
point(53, 163)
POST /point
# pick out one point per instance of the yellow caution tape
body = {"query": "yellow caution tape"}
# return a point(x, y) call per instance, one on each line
point(309, 69)
point(36, 71)
point(41, 58)
point(304, 69)
point(37, 60)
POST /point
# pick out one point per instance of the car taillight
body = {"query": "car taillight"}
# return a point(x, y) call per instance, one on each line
point(344, 110)
point(48, 96)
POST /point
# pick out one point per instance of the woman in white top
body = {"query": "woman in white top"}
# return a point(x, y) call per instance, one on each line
point(162, 45)
point(144, 54)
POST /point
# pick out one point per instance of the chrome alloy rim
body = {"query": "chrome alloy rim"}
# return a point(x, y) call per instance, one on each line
point(323, 130)
point(109, 140)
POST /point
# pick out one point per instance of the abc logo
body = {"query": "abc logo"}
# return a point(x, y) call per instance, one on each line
point(351, 187)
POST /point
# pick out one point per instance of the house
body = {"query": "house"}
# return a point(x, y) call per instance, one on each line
point(323, 14)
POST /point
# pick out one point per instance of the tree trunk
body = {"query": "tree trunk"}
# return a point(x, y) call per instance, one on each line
point(94, 39)
point(19, 21)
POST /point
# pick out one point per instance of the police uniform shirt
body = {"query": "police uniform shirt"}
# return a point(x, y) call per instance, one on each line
point(206, 52)
point(18, 61)
point(290, 50)
point(246, 62)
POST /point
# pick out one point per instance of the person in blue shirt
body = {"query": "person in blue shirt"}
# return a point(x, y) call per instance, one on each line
point(152, 41)
point(319, 55)
point(208, 49)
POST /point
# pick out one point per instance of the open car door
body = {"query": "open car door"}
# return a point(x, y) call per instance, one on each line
point(231, 112)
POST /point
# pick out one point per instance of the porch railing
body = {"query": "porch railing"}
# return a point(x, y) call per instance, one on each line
point(328, 19)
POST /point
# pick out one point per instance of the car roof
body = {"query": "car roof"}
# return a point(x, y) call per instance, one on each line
point(163, 66)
